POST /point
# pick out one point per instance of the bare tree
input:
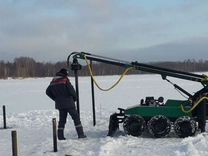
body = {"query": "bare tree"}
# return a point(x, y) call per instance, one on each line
point(28, 67)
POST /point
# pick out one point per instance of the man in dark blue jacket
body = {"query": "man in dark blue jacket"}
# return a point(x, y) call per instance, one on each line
point(62, 92)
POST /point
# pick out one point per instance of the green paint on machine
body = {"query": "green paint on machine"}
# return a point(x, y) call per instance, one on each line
point(171, 109)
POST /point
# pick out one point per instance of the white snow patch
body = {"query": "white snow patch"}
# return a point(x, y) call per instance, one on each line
point(30, 112)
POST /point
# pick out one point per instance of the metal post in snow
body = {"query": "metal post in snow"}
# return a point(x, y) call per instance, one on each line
point(55, 149)
point(93, 98)
point(4, 116)
point(14, 143)
point(77, 90)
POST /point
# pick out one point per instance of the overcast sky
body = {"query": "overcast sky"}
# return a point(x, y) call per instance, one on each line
point(146, 30)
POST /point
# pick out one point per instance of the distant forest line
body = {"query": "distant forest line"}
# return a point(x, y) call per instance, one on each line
point(27, 67)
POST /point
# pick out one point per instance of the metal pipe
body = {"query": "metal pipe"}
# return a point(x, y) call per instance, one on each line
point(77, 90)
point(55, 149)
point(14, 143)
point(93, 98)
point(4, 116)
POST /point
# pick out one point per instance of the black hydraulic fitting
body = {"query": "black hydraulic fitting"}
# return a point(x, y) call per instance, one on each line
point(75, 65)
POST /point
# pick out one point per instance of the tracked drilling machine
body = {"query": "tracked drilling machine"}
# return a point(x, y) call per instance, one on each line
point(155, 116)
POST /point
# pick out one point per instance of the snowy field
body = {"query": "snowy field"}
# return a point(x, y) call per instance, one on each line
point(30, 112)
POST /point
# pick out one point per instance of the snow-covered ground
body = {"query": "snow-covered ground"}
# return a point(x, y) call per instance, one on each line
point(30, 112)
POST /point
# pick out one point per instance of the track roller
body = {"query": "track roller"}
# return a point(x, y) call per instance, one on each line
point(134, 125)
point(185, 126)
point(159, 126)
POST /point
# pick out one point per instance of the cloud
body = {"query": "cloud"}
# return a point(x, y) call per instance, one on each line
point(46, 29)
point(195, 48)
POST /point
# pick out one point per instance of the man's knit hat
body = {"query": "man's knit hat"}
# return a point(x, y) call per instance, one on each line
point(62, 72)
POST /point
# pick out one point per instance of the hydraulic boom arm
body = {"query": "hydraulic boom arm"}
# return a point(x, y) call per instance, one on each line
point(143, 67)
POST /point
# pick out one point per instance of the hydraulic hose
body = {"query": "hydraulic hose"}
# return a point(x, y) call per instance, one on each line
point(194, 106)
point(116, 83)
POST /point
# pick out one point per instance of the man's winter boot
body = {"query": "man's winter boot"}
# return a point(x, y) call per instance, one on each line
point(80, 131)
point(61, 134)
